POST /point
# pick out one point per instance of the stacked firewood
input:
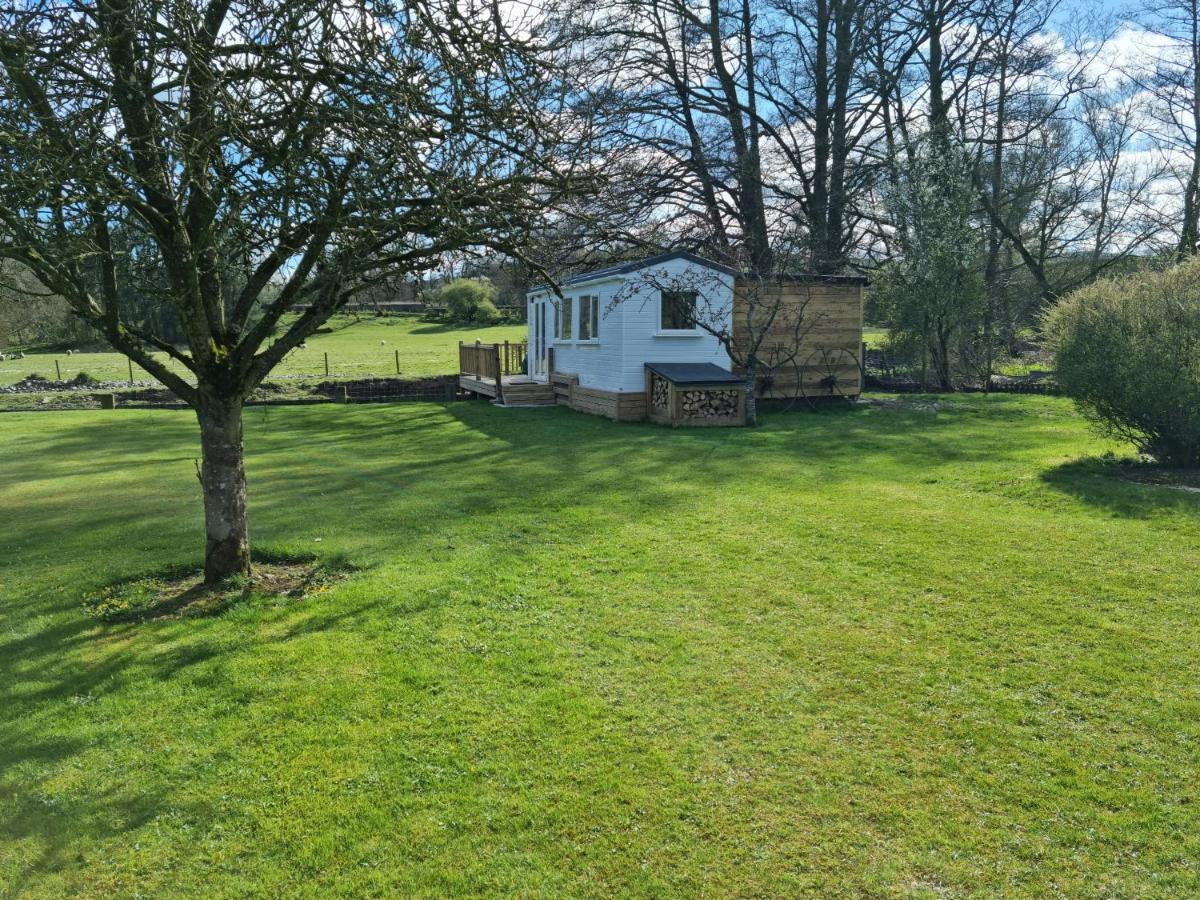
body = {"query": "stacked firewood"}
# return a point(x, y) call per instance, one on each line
point(709, 404)
point(659, 391)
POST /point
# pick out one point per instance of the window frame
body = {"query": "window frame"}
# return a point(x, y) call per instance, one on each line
point(589, 317)
point(681, 332)
point(564, 324)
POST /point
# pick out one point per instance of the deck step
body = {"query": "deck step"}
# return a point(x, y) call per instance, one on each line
point(530, 394)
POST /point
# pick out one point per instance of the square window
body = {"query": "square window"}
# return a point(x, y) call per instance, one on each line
point(678, 311)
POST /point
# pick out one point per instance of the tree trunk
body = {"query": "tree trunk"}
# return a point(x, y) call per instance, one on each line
point(751, 387)
point(223, 481)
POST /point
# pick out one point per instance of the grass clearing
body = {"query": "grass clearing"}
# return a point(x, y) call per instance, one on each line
point(357, 347)
point(912, 650)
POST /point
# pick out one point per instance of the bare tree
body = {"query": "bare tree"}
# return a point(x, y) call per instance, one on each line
point(1172, 79)
point(823, 101)
point(272, 156)
point(681, 89)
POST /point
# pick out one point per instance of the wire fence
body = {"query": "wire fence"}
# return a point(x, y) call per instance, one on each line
point(71, 367)
point(902, 374)
point(44, 394)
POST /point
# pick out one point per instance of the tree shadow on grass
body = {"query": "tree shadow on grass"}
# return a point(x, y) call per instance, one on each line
point(383, 481)
point(46, 685)
point(1110, 484)
point(453, 328)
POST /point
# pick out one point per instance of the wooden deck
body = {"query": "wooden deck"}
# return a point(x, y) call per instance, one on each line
point(497, 370)
point(515, 390)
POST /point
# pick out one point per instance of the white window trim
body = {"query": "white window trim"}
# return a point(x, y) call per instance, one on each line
point(676, 332)
point(594, 339)
point(561, 318)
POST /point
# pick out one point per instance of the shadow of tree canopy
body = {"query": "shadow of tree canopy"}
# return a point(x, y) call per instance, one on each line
point(1109, 484)
point(440, 505)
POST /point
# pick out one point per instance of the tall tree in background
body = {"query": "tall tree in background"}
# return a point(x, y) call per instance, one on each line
point(681, 83)
point(1172, 78)
point(934, 289)
point(823, 104)
point(260, 156)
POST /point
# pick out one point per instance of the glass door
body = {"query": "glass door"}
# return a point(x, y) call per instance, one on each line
point(537, 352)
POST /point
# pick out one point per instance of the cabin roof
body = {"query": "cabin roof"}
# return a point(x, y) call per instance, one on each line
point(626, 267)
point(694, 373)
point(633, 266)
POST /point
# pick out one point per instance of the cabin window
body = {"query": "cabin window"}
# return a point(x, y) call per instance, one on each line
point(564, 330)
point(589, 318)
point(678, 311)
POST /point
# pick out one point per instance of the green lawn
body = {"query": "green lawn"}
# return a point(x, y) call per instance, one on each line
point(893, 651)
point(356, 348)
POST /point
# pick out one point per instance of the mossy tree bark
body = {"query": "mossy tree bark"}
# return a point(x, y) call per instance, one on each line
point(223, 481)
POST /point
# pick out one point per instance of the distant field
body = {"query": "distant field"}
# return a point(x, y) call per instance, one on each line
point(874, 337)
point(356, 348)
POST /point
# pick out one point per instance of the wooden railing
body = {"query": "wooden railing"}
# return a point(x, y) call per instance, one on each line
point(491, 361)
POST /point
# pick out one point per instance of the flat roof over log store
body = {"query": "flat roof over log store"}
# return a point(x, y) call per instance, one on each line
point(694, 373)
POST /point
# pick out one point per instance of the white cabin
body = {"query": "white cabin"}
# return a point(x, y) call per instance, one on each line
point(638, 341)
point(609, 323)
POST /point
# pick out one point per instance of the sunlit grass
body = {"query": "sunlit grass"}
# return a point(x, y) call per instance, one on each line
point(356, 347)
point(927, 649)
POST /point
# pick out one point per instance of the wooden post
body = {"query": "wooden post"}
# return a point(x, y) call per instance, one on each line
point(397, 362)
point(499, 374)
point(130, 361)
point(57, 371)
point(326, 365)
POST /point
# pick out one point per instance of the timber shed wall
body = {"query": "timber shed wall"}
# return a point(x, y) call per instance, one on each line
point(827, 361)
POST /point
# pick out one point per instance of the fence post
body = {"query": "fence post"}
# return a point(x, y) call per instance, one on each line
point(499, 374)
point(130, 361)
point(57, 371)
point(397, 362)
point(326, 365)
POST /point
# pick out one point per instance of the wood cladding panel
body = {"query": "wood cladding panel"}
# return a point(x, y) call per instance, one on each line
point(830, 326)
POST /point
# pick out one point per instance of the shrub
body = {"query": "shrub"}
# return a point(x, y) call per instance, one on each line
point(1128, 352)
point(469, 300)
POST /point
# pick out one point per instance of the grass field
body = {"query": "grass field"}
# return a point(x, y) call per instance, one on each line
point(905, 650)
point(356, 348)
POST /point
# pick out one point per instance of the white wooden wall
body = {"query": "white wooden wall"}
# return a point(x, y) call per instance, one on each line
point(629, 333)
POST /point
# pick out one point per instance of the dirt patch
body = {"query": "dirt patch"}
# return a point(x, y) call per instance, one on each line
point(178, 593)
point(1175, 479)
point(36, 384)
point(905, 404)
